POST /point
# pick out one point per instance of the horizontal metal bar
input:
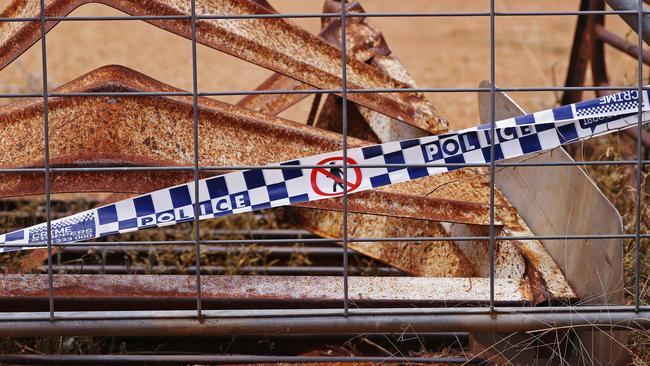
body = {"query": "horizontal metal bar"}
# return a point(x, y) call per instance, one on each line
point(208, 269)
point(327, 15)
point(122, 359)
point(212, 249)
point(361, 240)
point(501, 89)
point(274, 313)
point(175, 243)
point(286, 167)
point(186, 242)
point(188, 94)
point(496, 13)
point(22, 95)
point(262, 232)
point(325, 91)
point(198, 17)
point(319, 321)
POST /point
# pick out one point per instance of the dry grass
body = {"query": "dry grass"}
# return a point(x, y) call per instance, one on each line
point(618, 184)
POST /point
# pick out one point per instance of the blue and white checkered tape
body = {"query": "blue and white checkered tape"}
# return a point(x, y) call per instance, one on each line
point(257, 189)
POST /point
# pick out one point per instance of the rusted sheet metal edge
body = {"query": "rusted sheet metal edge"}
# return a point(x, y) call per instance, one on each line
point(273, 43)
point(274, 104)
point(418, 207)
point(155, 131)
point(316, 288)
point(545, 277)
point(535, 265)
point(424, 258)
point(520, 259)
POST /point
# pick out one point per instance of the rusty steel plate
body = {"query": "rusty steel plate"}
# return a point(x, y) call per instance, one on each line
point(158, 289)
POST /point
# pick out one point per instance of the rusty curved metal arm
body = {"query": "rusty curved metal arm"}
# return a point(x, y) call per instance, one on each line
point(363, 43)
point(274, 43)
point(157, 131)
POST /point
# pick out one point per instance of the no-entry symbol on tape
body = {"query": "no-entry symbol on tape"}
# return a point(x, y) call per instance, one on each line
point(328, 180)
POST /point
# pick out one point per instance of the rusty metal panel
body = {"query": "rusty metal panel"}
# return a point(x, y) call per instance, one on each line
point(419, 258)
point(248, 288)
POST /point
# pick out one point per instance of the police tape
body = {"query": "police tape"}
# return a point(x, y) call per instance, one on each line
point(289, 183)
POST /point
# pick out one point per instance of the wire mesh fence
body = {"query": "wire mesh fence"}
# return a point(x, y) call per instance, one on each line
point(330, 298)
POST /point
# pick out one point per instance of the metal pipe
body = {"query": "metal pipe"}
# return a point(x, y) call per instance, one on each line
point(217, 359)
point(460, 320)
point(46, 141)
point(214, 249)
point(142, 269)
point(322, 91)
point(436, 14)
point(356, 240)
point(273, 167)
point(344, 145)
point(289, 290)
point(195, 130)
point(632, 19)
point(639, 168)
point(620, 43)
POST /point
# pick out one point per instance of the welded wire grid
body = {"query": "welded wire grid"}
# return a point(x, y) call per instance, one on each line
point(344, 91)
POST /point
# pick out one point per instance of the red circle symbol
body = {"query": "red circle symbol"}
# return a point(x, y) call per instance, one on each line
point(334, 178)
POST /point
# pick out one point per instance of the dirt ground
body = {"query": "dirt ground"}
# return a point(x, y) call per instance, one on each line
point(439, 52)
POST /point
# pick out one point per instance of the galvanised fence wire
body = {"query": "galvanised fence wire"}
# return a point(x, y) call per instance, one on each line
point(348, 318)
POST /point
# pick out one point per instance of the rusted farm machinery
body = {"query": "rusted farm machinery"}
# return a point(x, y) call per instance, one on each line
point(420, 260)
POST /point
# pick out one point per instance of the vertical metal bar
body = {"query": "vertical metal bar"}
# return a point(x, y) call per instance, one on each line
point(46, 133)
point(313, 112)
point(637, 239)
point(580, 53)
point(597, 51)
point(58, 263)
point(197, 241)
point(344, 117)
point(492, 147)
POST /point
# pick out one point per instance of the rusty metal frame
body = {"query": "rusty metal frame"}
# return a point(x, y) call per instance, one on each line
point(193, 25)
